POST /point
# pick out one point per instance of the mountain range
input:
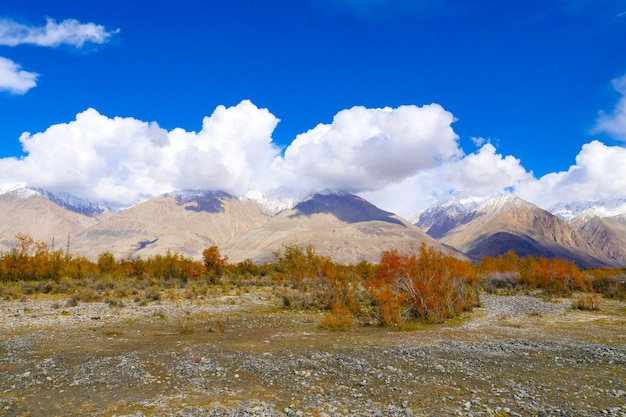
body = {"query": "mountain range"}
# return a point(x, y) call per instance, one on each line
point(337, 224)
point(491, 227)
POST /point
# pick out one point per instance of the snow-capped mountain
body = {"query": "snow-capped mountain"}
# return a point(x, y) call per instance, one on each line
point(338, 224)
point(73, 203)
point(62, 199)
point(273, 201)
point(601, 223)
point(439, 218)
point(588, 209)
point(43, 215)
point(506, 222)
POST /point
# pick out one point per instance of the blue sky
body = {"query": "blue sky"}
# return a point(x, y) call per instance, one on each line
point(533, 92)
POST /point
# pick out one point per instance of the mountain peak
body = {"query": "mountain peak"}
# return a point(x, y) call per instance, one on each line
point(209, 201)
point(272, 201)
point(503, 202)
point(73, 203)
point(584, 210)
point(60, 198)
point(347, 207)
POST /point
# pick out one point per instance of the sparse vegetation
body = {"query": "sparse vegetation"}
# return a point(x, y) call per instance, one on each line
point(427, 285)
point(586, 301)
point(230, 334)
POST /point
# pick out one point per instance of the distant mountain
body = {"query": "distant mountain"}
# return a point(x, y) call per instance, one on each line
point(273, 201)
point(601, 223)
point(46, 217)
point(578, 210)
point(608, 234)
point(506, 222)
point(439, 219)
point(186, 222)
point(73, 203)
point(340, 225)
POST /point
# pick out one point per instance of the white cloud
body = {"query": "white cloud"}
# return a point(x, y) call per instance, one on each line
point(484, 173)
point(367, 149)
point(479, 141)
point(615, 123)
point(599, 173)
point(68, 32)
point(479, 174)
point(399, 159)
point(123, 160)
point(15, 80)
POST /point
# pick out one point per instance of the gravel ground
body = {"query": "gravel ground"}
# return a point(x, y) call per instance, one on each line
point(243, 356)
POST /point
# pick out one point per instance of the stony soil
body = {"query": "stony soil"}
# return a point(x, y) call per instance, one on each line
point(242, 355)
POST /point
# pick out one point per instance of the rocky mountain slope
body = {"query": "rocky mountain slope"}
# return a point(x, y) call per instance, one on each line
point(504, 223)
point(601, 223)
point(340, 225)
point(185, 222)
point(33, 212)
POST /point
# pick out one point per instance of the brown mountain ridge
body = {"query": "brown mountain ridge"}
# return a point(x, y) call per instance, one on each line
point(340, 225)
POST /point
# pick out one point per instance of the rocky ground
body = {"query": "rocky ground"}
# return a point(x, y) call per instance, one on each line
point(242, 355)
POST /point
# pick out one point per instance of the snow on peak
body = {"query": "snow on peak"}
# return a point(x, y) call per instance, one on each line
point(185, 196)
point(589, 209)
point(498, 202)
point(457, 206)
point(19, 189)
point(10, 187)
point(273, 201)
point(73, 203)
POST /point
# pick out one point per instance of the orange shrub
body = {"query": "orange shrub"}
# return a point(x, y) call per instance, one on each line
point(429, 286)
point(554, 276)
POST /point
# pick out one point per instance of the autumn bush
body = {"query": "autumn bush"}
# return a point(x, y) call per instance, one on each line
point(429, 286)
point(313, 281)
point(586, 301)
point(553, 276)
point(611, 283)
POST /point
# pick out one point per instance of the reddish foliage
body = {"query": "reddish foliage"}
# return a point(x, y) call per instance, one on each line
point(430, 286)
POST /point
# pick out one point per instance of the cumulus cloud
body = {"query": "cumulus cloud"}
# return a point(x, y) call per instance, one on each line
point(124, 160)
point(68, 32)
point(14, 79)
point(367, 149)
point(485, 172)
point(599, 174)
point(480, 174)
point(399, 159)
point(615, 123)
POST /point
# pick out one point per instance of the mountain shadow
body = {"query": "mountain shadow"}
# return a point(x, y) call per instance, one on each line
point(524, 246)
point(205, 201)
point(346, 207)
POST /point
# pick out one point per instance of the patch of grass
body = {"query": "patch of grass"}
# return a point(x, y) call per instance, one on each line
point(186, 323)
point(152, 294)
point(111, 332)
point(114, 303)
point(587, 301)
point(72, 302)
point(337, 319)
